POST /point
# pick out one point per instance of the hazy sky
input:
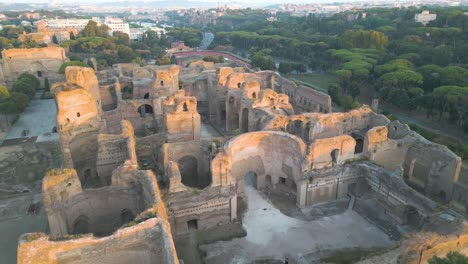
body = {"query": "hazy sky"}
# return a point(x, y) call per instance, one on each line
point(188, 1)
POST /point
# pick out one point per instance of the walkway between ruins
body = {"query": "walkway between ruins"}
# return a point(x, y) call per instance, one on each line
point(37, 120)
point(273, 235)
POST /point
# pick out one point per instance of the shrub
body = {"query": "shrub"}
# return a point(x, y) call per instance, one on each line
point(31, 79)
point(451, 258)
point(24, 86)
point(4, 93)
point(71, 63)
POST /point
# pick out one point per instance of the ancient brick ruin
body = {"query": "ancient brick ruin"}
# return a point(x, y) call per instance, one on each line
point(127, 128)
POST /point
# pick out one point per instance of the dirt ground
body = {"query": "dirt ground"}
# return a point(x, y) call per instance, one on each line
point(273, 236)
point(15, 221)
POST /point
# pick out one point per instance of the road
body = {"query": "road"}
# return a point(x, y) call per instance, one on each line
point(208, 37)
point(434, 126)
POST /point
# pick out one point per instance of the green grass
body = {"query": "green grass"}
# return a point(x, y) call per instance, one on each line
point(321, 80)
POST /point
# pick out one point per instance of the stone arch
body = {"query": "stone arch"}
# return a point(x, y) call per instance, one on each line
point(38, 69)
point(273, 153)
point(145, 110)
point(81, 225)
point(245, 120)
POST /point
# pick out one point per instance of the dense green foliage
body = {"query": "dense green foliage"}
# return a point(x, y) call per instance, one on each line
point(215, 59)
point(95, 41)
point(191, 37)
point(22, 91)
point(451, 258)
point(384, 54)
point(71, 63)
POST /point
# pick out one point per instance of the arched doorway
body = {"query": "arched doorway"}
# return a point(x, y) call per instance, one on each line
point(359, 143)
point(87, 174)
point(81, 225)
point(334, 155)
point(250, 179)
point(145, 110)
point(245, 120)
point(188, 167)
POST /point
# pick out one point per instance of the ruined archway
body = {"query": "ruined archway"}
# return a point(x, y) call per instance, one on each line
point(81, 225)
point(272, 153)
point(145, 110)
point(245, 120)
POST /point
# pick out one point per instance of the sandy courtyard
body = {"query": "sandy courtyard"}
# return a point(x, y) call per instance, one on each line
point(273, 235)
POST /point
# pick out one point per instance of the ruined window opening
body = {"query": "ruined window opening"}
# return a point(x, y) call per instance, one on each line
point(68, 120)
point(146, 96)
point(359, 146)
point(443, 196)
point(334, 155)
point(282, 180)
point(238, 85)
point(39, 74)
point(78, 114)
point(268, 181)
point(254, 95)
point(145, 109)
point(54, 129)
point(245, 120)
point(87, 174)
point(162, 83)
point(192, 224)
point(185, 108)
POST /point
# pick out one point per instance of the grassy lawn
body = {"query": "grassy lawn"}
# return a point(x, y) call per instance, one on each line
point(321, 80)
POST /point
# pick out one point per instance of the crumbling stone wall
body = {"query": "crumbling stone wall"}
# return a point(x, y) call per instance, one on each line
point(148, 239)
point(40, 62)
point(260, 153)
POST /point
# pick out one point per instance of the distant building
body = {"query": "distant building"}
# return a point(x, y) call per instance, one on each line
point(114, 24)
point(45, 35)
point(178, 46)
point(30, 16)
point(136, 34)
point(425, 17)
point(78, 24)
point(117, 25)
